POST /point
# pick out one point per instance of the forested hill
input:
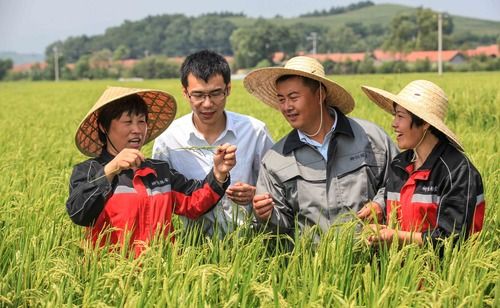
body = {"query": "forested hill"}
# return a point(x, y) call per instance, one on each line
point(357, 30)
point(380, 15)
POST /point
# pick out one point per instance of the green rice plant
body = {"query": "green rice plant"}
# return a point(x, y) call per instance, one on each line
point(45, 260)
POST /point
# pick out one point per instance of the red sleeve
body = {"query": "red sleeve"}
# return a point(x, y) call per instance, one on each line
point(193, 198)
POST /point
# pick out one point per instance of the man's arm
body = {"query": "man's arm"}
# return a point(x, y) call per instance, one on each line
point(280, 218)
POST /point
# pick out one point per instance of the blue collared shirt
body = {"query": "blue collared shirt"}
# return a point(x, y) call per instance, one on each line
point(321, 147)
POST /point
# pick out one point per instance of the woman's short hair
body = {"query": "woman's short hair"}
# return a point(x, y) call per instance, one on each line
point(132, 105)
point(419, 122)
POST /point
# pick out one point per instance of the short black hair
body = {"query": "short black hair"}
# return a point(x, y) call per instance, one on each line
point(308, 82)
point(205, 64)
point(419, 122)
point(132, 104)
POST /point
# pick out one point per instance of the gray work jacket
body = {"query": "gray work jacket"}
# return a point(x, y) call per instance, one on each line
point(317, 192)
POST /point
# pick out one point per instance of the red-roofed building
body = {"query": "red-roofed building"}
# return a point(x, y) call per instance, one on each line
point(450, 56)
point(339, 57)
point(26, 67)
point(127, 63)
point(490, 51)
point(279, 57)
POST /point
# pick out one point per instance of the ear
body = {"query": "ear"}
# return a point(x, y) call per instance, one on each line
point(185, 93)
point(228, 89)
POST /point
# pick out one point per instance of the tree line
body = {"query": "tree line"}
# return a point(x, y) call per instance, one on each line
point(155, 38)
point(339, 10)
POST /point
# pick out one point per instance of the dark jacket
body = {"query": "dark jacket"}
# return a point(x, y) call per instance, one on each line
point(140, 202)
point(443, 197)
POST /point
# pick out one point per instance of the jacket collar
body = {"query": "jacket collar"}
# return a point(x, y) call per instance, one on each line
point(403, 159)
point(105, 157)
point(293, 142)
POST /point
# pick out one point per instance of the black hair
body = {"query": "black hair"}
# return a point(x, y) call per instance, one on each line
point(419, 122)
point(205, 64)
point(312, 84)
point(132, 105)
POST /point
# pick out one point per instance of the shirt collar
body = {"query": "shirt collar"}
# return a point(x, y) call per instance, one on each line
point(230, 126)
point(306, 139)
point(341, 126)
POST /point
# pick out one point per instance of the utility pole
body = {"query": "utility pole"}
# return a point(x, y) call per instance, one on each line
point(314, 38)
point(56, 63)
point(440, 44)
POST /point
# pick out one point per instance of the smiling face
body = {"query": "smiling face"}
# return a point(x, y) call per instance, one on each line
point(213, 93)
point(299, 104)
point(408, 134)
point(128, 131)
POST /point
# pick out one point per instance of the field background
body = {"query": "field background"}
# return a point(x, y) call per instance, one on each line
point(43, 260)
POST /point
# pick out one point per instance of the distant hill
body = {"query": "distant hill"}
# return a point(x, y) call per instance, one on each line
point(178, 34)
point(21, 58)
point(380, 14)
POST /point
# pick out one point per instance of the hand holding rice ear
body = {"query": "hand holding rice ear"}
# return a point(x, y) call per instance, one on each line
point(422, 98)
point(224, 161)
point(120, 192)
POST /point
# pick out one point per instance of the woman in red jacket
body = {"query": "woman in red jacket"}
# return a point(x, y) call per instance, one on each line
point(433, 191)
point(122, 192)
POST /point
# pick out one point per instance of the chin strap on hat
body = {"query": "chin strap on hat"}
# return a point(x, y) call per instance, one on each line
point(321, 114)
point(111, 143)
point(415, 154)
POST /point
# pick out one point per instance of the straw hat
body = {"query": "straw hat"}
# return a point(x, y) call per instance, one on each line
point(262, 82)
point(422, 98)
point(161, 112)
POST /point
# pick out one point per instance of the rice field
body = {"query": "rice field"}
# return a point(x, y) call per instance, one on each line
point(45, 262)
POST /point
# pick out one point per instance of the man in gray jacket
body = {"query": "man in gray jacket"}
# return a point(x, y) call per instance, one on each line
point(329, 166)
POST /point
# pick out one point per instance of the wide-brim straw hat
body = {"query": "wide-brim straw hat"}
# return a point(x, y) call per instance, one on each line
point(262, 82)
point(161, 112)
point(422, 98)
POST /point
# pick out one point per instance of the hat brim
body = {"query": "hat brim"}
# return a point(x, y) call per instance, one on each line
point(162, 108)
point(262, 84)
point(385, 100)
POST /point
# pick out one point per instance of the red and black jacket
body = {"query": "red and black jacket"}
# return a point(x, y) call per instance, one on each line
point(444, 196)
point(140, 202)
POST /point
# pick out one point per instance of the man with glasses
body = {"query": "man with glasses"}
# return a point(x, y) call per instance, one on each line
point(206, 82)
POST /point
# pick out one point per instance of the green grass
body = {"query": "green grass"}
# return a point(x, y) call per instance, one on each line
point(45, 262)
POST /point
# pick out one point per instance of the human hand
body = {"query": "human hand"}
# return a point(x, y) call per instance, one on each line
point(224, 161)
point(380, 234)
point(263, 206)
point(241, 193)
point(126, 159)
point(371, 212)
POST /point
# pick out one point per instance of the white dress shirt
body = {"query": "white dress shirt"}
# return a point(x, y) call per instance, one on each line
point(252, 140)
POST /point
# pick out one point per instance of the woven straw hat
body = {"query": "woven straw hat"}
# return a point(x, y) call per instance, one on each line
point(262, 82)
point(422, 98)
point(161, 112)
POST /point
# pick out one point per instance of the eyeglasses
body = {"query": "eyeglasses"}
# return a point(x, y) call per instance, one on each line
point(216, 96)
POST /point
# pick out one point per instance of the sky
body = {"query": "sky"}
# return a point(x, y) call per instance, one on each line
point(28, 26)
